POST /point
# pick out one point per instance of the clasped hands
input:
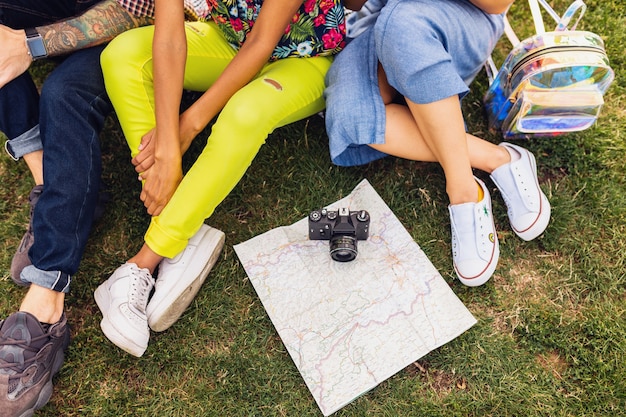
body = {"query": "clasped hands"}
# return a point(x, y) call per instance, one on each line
point(160, 176)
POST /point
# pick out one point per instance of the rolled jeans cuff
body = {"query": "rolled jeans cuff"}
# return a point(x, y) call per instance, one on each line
point(53, 280)
point(25, 143)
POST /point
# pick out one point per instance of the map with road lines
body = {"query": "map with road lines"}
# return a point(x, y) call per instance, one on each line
point(348, 326)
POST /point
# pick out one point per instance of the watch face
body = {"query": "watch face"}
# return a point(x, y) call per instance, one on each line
point(37, 48)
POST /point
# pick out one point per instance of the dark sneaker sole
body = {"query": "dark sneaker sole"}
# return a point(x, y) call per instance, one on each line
point(48, 388)
point(46, 391)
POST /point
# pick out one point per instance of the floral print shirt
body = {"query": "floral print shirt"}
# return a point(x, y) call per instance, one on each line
point(317, 29)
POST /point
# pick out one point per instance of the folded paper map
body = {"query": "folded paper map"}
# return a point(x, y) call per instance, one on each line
point(348, 326)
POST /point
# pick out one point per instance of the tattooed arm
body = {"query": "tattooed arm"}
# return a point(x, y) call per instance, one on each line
point(95, 26)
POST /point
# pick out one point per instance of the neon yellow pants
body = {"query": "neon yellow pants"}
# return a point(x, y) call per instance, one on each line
point(283, 92)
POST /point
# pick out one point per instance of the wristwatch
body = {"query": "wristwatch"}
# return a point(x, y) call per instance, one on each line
point(36, 47)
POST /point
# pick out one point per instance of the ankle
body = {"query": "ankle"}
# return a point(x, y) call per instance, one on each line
point(470, 194)
point(45, 304)
point(503, 157)
point(146, 258)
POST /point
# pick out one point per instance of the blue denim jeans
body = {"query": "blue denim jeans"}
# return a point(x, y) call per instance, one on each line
point(19, 99)
point(72, 109)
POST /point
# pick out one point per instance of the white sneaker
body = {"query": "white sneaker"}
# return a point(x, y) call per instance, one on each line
point(527, 206)
point(179, 279)
point(475, 249)
point(122, 299)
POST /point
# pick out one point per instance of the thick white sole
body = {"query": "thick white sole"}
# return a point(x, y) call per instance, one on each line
point(485, 275)
point(540, 224)
point(115, 336)
point(164, 312)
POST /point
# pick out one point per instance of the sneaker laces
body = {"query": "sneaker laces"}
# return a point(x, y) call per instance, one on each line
point(23, 353)
point(140, 286)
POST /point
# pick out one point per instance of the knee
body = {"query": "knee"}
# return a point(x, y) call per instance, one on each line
point(237, 138)
point(120, 47)
point(60, 90)
point(54, 88)
point(77, 78)
point(246, 120)
point(125, 51)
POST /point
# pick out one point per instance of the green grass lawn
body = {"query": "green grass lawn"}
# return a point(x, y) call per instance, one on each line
point(551, 334)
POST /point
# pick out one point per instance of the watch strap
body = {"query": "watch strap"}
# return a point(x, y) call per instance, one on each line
point(31, 32)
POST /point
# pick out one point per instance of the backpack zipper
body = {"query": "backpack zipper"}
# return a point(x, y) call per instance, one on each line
point(517, 67)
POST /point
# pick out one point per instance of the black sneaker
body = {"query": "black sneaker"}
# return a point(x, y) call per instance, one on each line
point(21, 259)
point(30, 355)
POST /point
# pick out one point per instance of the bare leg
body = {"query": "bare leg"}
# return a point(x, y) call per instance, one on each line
point(403, 139)
point(435, 132)
point(146, 258)
point(420, 132)
point(442, 128)
point(34, 160)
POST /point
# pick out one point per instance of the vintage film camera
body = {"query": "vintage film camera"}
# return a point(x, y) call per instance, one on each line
point(343, 228)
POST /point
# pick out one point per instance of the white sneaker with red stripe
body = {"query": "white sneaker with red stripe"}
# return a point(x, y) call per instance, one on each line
point(528, 207)
point(475, 249)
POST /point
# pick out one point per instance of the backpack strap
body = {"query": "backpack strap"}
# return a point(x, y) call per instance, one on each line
point(562, 22)
point(536, 13)
point(565, 20)
point(490, 66)
point(510, 33)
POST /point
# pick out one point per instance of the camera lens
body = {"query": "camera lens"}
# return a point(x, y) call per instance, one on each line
point(343, 248)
